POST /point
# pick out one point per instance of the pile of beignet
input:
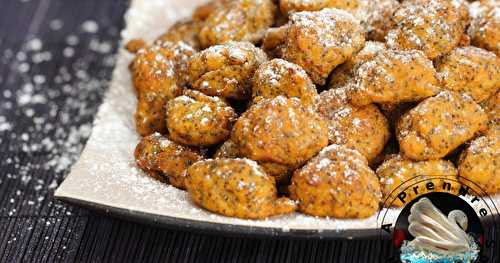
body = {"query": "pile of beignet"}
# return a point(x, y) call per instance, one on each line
point(264, 107)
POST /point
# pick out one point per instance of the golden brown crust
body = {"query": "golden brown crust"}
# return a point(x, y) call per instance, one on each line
point(186, 31)
point(280, 130)
point(492, 108)
point(237, 188)
point(393, 77)
point(432, 26)
point(343, 74)
point(238, 20)
point(292, 6)
point(160, 157)
point(470, 70)
point(397, 174)
point(226, 70)
point(280, 77)
point(440, 124)
point(364, 128)
point(280, 172)
point(158, 72)
point(484, 29)
point(336, 183)
point(202, 12)
point(273, 41)
point(480, 163)
point(199, 120)
point(134, 45)
point(375, 17)
point(320, 41)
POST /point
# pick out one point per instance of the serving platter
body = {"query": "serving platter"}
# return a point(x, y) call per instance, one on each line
point(106, 177)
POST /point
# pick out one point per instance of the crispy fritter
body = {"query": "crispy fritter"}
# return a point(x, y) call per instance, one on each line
point(320, 41)
point(492, 108)
point(480, 163)
point(280, 172)
point(280, 130)
point(440, 124)
point(292, 6)
point(344, 73)
point(186, 31)
point(158, 72)
point(202, 12)
point(134, 45)
point(160, 157)
point(238, 20)
point(393, 77)
point(226, 70)
point(336, 183)
point(199, 120)
point(432, 26)
point(375, 17)
point(364, 128)
point(228, 149)
point(393, 112)
point(273, 41)
point(484, 29)
point(236, 187)
point(470, 70)
point(280, 77)
point(397, 174)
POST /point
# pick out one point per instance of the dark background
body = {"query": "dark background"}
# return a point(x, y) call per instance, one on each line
point(54, 68)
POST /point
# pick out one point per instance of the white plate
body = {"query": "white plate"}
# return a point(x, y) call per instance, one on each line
point(106, 176)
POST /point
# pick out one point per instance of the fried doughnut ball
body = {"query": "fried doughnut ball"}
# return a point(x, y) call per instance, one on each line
point(393, 77)
point(480, 163)
point(160, 157)
point(202, 12)
point(226, 70)
point(273, 41)
point(228, 149)
point(280, 130)
point(393, 112)
point(440, 124)
point(280, 77)
point(186, 31)
point(157, 74)
point(470, 70)
point(398, 173)
point(238, 20)
point(280, 172)
point(375, 17)
point(492, 108)
point(320, 41)
point(432, 26)
point(344, 73)
point(364, 128)
point(236, 188)
point(337, 183)
point(484, 29)
point(292, 6)
point(199, 120)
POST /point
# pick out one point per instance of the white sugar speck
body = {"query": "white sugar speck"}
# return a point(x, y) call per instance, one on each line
point(34, 44)
point(56, 24)
point(90, 26)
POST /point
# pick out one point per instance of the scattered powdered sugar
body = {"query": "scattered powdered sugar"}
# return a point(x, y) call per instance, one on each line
point(51, 113)
point(106, 172)
point(90, 26)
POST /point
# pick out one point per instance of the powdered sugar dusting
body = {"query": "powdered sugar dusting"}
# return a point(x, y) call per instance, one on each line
point(106, 172)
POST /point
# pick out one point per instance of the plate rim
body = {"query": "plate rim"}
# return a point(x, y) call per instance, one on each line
point(221, 229)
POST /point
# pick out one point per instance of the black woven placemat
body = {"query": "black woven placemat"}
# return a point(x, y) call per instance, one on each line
point(56, 57)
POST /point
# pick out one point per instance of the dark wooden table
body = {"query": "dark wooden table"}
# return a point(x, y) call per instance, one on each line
point(56, 57)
